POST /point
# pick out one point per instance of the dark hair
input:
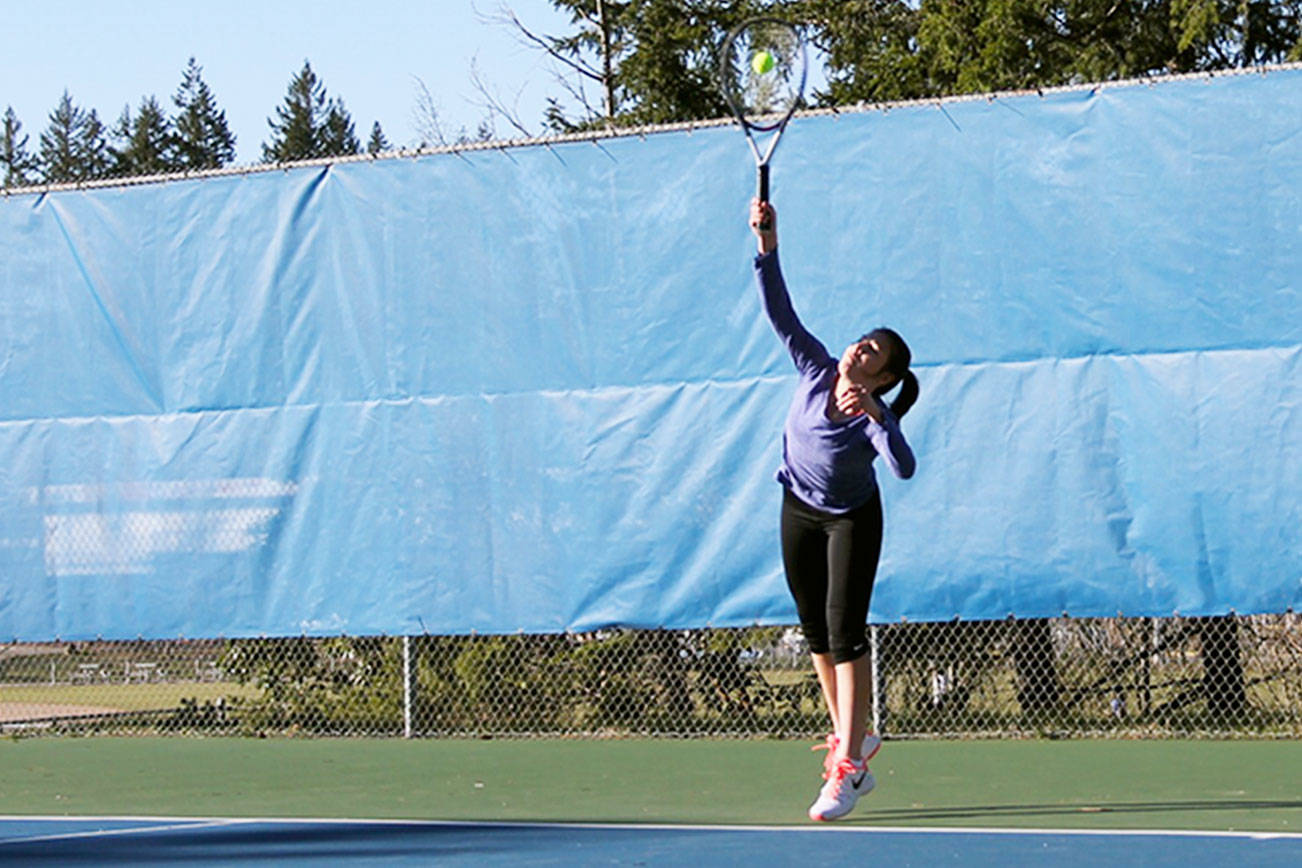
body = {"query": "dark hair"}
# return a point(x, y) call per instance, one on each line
point(898, 360)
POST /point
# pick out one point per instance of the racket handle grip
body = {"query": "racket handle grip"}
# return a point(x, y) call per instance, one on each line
point(762, 192)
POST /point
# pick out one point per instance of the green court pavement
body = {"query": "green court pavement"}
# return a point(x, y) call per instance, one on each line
point(1226, 785)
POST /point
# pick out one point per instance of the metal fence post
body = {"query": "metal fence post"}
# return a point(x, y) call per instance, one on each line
point(406, 687)
point(878, 680)
point(1146, 669)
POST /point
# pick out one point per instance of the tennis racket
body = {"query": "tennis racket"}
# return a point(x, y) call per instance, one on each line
point(762, 70)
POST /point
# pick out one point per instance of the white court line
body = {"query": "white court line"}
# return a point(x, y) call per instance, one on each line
point(184, 824)
point(200, 822)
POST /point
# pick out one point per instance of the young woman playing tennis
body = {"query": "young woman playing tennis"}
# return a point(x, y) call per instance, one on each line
point(831, 509)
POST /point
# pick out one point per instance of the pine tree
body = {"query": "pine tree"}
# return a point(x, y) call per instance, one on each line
point(899, 49)
point(338, 137)
point(637, 61)
point(308, 125)
point(145, 144)
point(15, 162)
point(377, 143)
point(203, 138)
point(73, 147)
point(653, 61)
point(294, 129)
point(93, 146)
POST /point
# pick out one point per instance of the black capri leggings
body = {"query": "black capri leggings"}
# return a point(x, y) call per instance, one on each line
point(831, 561)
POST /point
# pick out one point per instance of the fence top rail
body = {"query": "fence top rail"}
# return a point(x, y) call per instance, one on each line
point(596, 136)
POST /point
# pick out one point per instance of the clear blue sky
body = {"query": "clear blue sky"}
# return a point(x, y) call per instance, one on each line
point(110, 54)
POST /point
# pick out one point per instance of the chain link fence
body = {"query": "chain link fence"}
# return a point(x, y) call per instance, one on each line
point(1123, 677)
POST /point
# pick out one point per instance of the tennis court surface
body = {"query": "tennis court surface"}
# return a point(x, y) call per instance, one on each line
point(102, 841)
point(639, 801)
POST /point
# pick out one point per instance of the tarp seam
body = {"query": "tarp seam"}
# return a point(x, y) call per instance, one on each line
point(631, 387)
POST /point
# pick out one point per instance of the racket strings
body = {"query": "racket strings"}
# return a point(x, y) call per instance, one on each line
point(763, 71)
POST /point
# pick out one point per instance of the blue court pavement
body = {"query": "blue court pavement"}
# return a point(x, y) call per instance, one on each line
point(250, 842)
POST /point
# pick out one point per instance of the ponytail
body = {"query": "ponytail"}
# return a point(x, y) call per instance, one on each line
point(907, 396)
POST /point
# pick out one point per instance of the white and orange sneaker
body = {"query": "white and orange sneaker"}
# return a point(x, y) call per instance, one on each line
point(847, 781)
point(871, 744)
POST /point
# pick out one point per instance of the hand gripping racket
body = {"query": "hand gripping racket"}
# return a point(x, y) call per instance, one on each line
point(762, 70)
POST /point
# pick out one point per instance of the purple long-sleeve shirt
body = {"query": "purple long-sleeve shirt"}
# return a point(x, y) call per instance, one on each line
point(827, 464)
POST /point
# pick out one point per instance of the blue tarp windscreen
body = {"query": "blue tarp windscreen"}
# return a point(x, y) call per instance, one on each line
point(533, 390)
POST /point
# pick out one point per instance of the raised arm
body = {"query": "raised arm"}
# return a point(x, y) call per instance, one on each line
point(805, 349)
point(767, 239)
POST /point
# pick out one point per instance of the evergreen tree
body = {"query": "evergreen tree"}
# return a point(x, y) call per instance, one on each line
point(653, 61)
point(145, 144)
point(669, 68)
point(203, 138)
point(73, 146)
point(15, 162)
point(377, 143)
point(338, 137)
point(871, 49)
point(650, 61)
point(308, 125)
point(888, 49)
point(294, 129)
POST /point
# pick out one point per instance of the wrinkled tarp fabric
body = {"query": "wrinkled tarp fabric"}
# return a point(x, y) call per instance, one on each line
point(533, 390)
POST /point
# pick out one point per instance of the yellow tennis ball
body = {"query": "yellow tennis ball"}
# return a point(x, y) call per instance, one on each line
point(762, 62)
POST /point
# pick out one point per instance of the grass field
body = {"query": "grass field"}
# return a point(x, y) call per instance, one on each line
point(1213, 785)
point(125, 697)
point(26, 702)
